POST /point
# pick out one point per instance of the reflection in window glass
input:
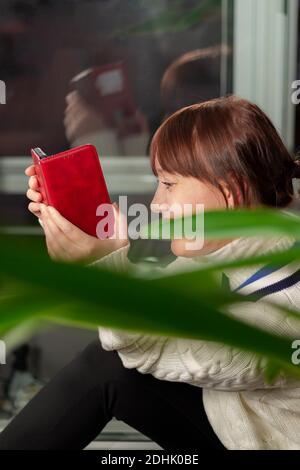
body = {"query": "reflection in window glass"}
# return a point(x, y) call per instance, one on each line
point(103, 71)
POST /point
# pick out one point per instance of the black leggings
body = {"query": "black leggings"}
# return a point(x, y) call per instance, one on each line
point(74, 407)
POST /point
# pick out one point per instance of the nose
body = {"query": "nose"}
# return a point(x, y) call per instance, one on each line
point(157, 204)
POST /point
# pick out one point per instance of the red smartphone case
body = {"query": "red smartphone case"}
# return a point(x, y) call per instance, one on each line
point(72, 181)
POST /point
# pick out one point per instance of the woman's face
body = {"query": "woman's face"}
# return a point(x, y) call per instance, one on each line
point(178, 191)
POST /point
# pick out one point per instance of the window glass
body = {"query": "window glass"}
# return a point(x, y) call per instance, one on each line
point(122, 64)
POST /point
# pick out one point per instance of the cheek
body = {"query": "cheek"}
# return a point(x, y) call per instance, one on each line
point(172, 204)
point(214, 200)
point(210, 197)
point(177, 198)
point(184, 198)
point(181, 248)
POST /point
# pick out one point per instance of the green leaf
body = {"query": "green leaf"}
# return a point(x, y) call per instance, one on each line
point(272, 372)
point(175, 18)
point(96, 297)
point(230, 224)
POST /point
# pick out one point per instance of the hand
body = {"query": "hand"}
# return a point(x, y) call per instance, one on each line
point(66, 242)
point(80, 118)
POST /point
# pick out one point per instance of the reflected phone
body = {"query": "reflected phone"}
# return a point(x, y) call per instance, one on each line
point(107, 88)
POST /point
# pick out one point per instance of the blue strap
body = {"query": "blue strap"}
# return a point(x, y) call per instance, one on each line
point(276, 287)
point(270, 268)
point(263, 272)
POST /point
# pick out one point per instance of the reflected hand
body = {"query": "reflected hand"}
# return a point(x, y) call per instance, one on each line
point(80, 118)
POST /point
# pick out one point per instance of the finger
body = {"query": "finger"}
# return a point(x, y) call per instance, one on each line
point(70, 96)
point(74, 102)
point(71, 126)
point(50, 243)
point(34, 196)
point(71, 109)
point(73, 242)
point(67, 119)
point(53, 250)
point(53, 229)
point(51, 253)
point(30, 170)
point(33, 183)
point(72, 232)
point(34, 207)
point(68, 133)
point(55, 240)
point(120, 224)
point(76, 116)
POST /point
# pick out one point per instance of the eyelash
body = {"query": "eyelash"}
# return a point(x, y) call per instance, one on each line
point(168, 185)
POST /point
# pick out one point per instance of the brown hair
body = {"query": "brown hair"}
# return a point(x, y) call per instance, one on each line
point(227, 140)
point(193, 77)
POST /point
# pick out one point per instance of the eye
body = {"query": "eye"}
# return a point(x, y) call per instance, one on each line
point(166, 184)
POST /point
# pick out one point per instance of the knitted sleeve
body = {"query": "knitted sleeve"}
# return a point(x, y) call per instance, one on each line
point(115, 261)
point(201, 363)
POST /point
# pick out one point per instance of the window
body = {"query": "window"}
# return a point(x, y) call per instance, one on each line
point(119, 51)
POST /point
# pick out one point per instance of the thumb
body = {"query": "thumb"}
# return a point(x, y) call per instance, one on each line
point(120, 223)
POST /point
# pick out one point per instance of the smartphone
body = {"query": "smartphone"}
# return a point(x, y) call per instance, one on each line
point(73, 182)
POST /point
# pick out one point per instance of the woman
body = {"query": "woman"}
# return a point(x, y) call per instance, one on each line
point(183, 394)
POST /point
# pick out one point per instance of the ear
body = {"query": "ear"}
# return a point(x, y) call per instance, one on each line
point(229, 196)
point(233, 193)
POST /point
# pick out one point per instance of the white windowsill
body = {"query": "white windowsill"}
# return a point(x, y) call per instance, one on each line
point(124, 175)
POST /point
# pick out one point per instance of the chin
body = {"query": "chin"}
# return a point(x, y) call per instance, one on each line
point(179, 248)
point(176, 248)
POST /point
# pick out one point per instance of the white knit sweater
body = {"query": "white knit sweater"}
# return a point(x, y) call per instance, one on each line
point(244, 411)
